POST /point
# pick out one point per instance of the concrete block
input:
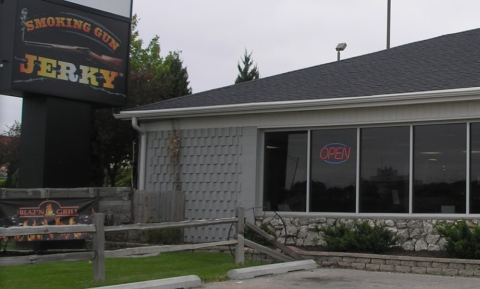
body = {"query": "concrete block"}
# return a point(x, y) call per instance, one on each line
point(435, 271)
point(387, 268)
point(403, 269)
point(472, 267)
point(392, 262)
point(407, 263)
point(190, 281)
point(378, 261)
point(450, 272)
point(424, 264)
point(345, 264)
point(440, 265)
point(419, 270)
point(466, 273)
point(272, 269)
point(456, 266)
point(329, 264)
point(362, 260)
point(358, 266)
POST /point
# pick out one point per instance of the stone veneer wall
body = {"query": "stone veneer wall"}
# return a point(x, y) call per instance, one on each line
point(413, 234)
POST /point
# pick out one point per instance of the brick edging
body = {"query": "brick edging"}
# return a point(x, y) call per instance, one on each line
point(403, 264)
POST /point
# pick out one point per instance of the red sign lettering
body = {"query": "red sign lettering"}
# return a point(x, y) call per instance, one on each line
point(335, 153)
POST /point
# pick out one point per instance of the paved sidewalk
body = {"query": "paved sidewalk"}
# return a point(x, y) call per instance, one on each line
point(326, 278)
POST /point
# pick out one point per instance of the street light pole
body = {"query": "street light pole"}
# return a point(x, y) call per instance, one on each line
point(388, 23)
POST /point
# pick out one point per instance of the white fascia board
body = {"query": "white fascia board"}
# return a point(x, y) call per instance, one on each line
point(437, 96)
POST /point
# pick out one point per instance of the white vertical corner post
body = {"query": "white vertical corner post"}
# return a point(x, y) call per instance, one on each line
point(99, 248)
point(240, 248)
point(143, 154)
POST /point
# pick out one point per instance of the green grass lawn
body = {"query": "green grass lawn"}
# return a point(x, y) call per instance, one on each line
point(78, 275)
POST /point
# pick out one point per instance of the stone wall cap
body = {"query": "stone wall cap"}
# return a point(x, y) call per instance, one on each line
point(389, 257)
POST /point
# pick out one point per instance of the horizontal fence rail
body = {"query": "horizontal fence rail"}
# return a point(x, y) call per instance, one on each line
point(65, 229)
point(155, 250)
point(171, 225)
point(45, 230)
point(39, 259)
point(97, 229)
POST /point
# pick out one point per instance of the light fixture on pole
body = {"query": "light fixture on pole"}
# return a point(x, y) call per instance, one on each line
point(340, 47)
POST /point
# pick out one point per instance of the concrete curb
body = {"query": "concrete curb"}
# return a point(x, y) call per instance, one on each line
point(252, 272)
point(190, 281)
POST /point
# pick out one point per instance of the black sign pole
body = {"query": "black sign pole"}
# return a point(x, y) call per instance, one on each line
point(55, 145)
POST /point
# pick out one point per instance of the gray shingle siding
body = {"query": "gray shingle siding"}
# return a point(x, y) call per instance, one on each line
point(212, 173)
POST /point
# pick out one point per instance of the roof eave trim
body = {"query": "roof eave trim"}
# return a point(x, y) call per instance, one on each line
point(461, 94)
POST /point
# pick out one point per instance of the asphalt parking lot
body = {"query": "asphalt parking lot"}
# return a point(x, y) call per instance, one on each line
point(326, 278)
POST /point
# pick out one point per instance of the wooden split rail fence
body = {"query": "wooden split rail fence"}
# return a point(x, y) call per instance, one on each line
point(98, 254)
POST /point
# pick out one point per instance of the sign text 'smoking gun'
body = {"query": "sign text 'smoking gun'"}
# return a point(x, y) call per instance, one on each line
point(114, 63)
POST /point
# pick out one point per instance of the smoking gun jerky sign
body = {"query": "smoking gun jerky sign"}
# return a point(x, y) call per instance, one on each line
point(40, 212)
point(69, 52)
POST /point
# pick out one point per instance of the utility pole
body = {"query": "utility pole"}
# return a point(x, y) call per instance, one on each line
point(388, 23)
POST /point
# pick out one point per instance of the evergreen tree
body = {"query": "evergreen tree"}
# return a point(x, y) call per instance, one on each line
point(177, 75)
point(247, 73)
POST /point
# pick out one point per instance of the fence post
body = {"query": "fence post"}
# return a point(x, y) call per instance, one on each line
point(99, 248)
point(239, 249)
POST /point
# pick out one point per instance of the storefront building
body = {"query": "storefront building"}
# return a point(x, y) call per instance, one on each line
point(391, 137)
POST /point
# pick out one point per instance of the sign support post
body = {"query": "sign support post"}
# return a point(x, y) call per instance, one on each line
point(55, 146)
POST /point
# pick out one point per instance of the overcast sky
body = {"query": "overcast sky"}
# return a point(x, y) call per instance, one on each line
point(283, 35)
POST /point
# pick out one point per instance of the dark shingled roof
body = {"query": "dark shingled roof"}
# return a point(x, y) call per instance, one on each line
point(445, 62)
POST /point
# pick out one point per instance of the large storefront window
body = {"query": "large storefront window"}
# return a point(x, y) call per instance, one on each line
point(475, 168)
point(285, 174)
point(333, 170)
point(384, 170)
point(415, 169)
point(439, 169)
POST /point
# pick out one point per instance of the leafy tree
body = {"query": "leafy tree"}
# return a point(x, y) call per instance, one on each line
point(247, 73)
point(10, 153)
point(152, 78)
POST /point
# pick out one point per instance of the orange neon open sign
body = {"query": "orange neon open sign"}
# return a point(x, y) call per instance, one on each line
point(335, 153)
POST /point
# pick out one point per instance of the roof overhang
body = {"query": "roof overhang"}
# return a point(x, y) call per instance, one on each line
point(437, 96)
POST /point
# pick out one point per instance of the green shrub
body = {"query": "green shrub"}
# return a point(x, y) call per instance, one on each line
point(463, 241)
point(361, 238)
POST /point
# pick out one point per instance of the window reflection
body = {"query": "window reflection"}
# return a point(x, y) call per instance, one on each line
point(333, 170)
point(384, 173)
point(439, 169)
point(285, 176)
